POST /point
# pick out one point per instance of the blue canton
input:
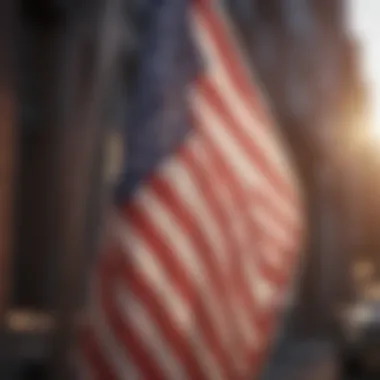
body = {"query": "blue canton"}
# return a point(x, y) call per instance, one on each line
point(158, 114)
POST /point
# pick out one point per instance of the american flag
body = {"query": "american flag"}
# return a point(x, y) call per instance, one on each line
point(200, 255)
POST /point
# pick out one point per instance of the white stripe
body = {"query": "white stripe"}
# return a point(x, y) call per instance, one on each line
point(247, 267)
point(245, 116)
point(207, 360)
point(149, 267)
point(260, 287)
point(274, 256)
point(175, 238)
point(249, 249)
point(180, 243)
point(275, 137)
point(244, 322)
point(248, 333)
point(188, 189)
point(257, 285)
point(114, 352)
point(134, 313)
point(268, 222)
point(243, 112)
point(216, 128)
point(182, 180)
point(265, 291)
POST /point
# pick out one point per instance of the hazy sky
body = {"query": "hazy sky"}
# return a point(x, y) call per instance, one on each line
point(365, 19)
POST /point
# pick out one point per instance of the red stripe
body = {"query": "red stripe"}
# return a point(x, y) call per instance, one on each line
point(291, 227)
point(250, 147)
point(263, 321)
point(207, 185)
point(173, 202)
point(179, 278)
point(150, 299)
point(208, 192)
point(93, 355)
point(238, 279)
point(233, 247)
point(176, 271)
point(121, 328)
point(229, 56)
point(170, 198)
point(240, 197)
point(225, 46)
point(225, 173)
point(270, 234)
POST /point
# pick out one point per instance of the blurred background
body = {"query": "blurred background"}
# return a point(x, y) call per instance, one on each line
point(65, 70)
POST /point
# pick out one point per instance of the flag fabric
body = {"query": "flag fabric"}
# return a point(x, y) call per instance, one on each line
point(201, 253)
point(158, 110)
